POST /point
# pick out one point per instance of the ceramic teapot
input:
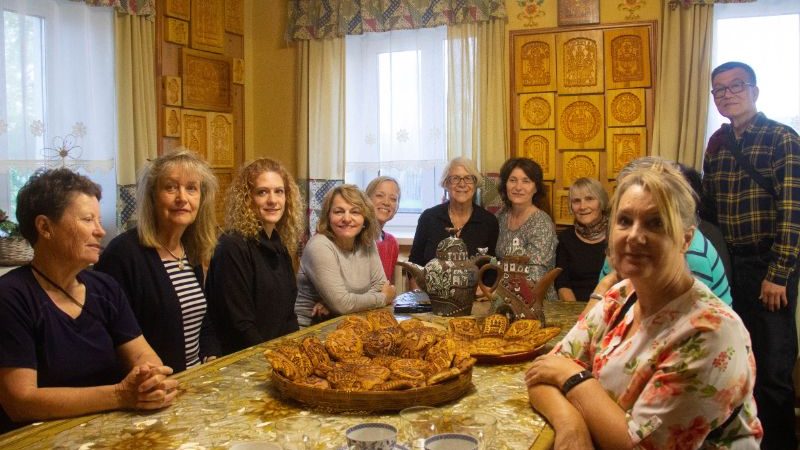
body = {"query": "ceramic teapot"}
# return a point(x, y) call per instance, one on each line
point(451, 278)
point(519, 297)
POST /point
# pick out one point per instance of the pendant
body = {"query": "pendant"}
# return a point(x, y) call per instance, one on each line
point(180, 264)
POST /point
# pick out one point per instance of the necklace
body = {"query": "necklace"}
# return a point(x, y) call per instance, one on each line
point(53, 283)
point(456, 230)
point(180, 260)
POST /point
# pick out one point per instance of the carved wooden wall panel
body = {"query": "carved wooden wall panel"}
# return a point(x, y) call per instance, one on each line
point(220, 139)
point(172, 122)
point(625, 107)
point(194, 131)
point(178, 8)
point(537, 110)
point(172, 91)
point(580, 62)
point(208, 25)
point(540, 146)
point(580, 121)
point(628, 55)
point(234, 16)
point(535, 64)
point(580, 164)
point(623, 146)
point(206, 80)
point(177, 31)
point(224, 179)
point(238, 71)
point(561, 208)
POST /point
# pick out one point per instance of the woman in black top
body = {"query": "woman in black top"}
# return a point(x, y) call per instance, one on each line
point(460, 216)
point(582, 247)
point(251, 281)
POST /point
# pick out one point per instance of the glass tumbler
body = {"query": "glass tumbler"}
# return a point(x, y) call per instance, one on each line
point(420, 423)
point(298, 433)
point(481, 426)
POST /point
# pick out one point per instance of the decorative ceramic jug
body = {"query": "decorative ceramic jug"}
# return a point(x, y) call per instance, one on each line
point(520, 298)
point(451, 278)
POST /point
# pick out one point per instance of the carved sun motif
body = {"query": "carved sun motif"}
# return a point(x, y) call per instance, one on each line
point(580, 166)
point(536, 111)
point(581, 121)
point(626, 107)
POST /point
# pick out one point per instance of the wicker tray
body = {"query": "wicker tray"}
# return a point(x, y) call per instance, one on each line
point(15, 252)
point(335, 400)
point(511, 358)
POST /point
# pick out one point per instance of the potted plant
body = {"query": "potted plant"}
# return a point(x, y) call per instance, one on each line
point(14, 249)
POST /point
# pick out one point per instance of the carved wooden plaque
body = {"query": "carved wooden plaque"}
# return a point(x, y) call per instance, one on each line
point(537, 110)
point(194, 133)
point(172, 91)
point(177, 8)
point(238, 70)
point(547, 198)
point(625, 107)
point(580, 122)
point(224, 179)
point(576, 12)
point(176, 31)
point(234, 16)
point(535, 63)
point(580, 62)
point(561, 208)
point(579, 164)
point(208, 25)
point(220, 139)
point(172, 122)
point(623, 146)
point(206, 80)
point(627, 53)
point(540, 146)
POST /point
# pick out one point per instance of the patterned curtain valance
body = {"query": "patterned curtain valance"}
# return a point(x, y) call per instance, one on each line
point(132, 7)
point(321, 19)
point(687, 3)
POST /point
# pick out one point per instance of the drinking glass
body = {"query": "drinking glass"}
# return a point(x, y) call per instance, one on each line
point(419, 423)
point(481, 426)
point(298, 433)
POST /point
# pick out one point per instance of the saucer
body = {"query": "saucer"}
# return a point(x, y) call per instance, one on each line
point(395, 447)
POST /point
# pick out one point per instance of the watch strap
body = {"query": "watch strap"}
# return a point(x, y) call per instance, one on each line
point(575, 380)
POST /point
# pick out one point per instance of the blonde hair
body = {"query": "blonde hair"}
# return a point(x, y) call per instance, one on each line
point(672, 195)
point(467, 164)
point(373, 185)
point(200, 236)
point(351, 194)
point(239, 214)
point(594, 187)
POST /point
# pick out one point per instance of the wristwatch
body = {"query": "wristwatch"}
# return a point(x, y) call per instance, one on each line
point(575, 380)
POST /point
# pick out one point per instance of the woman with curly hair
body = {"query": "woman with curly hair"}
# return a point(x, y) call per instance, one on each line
point(251, 282)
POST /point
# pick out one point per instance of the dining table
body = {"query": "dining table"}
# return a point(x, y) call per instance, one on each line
point(232, 399)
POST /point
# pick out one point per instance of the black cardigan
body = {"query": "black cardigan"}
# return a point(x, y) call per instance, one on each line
point(251, 290)
point(480, 231)
point(153, 298)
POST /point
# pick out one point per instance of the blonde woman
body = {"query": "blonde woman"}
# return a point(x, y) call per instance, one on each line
point(251, 283)
point(384, 193)
point(160, 262)
point(340, 271)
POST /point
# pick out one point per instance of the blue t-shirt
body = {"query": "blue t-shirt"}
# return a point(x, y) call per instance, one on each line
point(65, 352)
point(705, 264)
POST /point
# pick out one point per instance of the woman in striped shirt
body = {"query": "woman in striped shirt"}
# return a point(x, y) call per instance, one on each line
point(160, 262)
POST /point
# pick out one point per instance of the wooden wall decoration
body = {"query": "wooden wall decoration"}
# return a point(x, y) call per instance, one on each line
point(623, 146)
point(547, 198)
point(177, 8)
point(172, 91)
point(535, 67)
point(580, 164)
point(176, 31)
point(224, 180)
point(576, 12)
point(208, 25)
point(172, 122)
point(537, 110)
point(539, 146)
point(580, 121)
point(628, 55)
point(625, 107)
point(220, 139)
point(580, 62)
point(206, 80)
point(238, 70)
point(194, 134)
point(562, 208)
point(234, 16)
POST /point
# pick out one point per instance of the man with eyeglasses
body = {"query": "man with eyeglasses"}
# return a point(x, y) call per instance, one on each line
point(752, 187)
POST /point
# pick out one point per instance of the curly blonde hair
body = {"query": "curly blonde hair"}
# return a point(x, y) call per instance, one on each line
point(353, 195)
point(239, 214)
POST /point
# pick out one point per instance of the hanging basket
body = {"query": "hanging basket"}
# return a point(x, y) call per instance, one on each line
point(15, 251)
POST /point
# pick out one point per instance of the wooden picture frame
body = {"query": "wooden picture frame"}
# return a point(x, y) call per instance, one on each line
point(206, 80)
point(208, 25)
point(578, 12)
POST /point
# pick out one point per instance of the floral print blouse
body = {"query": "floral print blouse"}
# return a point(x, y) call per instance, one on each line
point(537, 237)
point(679, 376)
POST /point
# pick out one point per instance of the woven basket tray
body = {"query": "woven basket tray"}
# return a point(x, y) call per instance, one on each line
point(15, 251)
point(334, 400)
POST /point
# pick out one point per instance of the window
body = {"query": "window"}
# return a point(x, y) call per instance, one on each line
point(771, 45)
point(396, 116)
point(57, 72)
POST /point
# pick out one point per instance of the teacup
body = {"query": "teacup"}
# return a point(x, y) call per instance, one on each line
point(451, 441)
point(371, 436)
point(254, 445)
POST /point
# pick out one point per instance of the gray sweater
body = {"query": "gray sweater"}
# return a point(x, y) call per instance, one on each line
point(345, 282)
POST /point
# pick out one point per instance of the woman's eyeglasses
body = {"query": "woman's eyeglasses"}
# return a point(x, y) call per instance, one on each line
point(455, 180)
point(735, 88)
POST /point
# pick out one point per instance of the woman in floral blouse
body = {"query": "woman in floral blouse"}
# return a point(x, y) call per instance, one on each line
point(660, 362)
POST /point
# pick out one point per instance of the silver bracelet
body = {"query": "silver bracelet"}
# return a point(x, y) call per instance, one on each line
point(595, 296)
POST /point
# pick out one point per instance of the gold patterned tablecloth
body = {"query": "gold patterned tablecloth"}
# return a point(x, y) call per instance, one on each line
point(232, 399)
